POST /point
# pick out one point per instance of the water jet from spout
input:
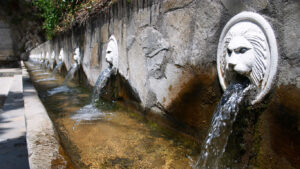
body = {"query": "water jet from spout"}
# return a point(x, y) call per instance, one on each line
point(221, 126)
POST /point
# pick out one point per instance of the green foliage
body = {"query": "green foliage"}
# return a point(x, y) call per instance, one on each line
point(53, 12)
point(59, 15)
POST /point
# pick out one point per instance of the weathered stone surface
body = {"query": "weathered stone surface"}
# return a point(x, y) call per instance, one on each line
point(288, 35)
point(6, 42)
point(167, 87)
point(104, 33)
point(169, 5)
point(178, 34)
point(155, 49)
point(156, 65)
point(257, 5)
point(207, 29)
point(292, 32)
point(95, 56)
point(143, 18)
point(152, 42)
point(138, 71)
point(234, 6)
point(280, 120)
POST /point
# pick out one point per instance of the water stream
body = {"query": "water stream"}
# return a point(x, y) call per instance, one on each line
point(90, 112)
point(100, 84)
point(57, 67)
point(48, 66)
point(71, 73)
point(44, 64)
point(221, 126)
point(64, 87)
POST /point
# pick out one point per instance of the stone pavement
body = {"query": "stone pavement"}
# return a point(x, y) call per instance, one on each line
point(27, 136)
point(13, 147)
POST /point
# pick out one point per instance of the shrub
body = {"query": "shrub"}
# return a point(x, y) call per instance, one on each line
point(53, 12)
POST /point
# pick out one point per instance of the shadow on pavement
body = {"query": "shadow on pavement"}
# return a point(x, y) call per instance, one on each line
point(14, 154)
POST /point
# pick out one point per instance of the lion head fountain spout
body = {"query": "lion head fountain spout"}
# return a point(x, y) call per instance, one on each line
point(52, 56)
point(248, 48)
point(76, 56)
point(75, 66)
point(112, 54)
point(59, 63)
point(112, 58)
point(45, 60)
point(247, 53)
point(61, 55)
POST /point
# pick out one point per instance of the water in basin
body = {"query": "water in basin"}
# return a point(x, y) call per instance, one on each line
point(111, 135)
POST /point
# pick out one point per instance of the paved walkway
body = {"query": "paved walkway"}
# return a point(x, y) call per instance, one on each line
point(13, 147)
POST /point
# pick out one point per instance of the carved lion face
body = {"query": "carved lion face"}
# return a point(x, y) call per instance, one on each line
point(77, 55)
point(61, 53)
point(112, 52)
point(240, 56)
point(52, 55)
point(245, 52)
point(109, 54)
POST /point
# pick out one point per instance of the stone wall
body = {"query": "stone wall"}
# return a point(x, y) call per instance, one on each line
point(167, 53)
point(6, 42)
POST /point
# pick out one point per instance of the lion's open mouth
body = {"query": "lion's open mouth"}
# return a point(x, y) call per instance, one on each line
point(239, 78)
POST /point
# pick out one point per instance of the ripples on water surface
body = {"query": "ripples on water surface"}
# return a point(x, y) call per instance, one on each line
point(41, 74)
point(47, 79)
point(107, 135)
point(59, 89)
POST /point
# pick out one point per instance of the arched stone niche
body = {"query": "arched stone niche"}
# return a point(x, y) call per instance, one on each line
point(248, 47)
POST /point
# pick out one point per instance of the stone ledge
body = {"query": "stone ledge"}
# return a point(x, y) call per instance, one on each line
point(42, 139)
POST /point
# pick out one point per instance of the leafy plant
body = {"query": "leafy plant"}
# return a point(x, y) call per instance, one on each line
point(59, 15)
point(53, 13)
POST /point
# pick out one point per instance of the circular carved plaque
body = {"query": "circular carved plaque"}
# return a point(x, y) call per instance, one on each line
point(248, 47)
